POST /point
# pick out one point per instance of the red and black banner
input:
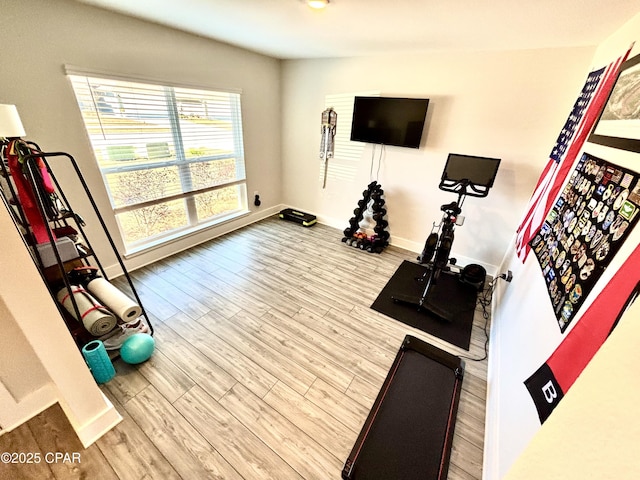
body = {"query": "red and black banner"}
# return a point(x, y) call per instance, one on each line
point(555, 377)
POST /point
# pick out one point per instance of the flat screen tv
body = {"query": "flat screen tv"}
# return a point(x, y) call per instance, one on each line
point(478, 173)
point(389, 120)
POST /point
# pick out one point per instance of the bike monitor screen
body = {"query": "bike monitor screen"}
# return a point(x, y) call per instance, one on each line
point(476, 173)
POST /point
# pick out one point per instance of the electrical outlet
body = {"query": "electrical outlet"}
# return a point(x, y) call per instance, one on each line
point(507, 277)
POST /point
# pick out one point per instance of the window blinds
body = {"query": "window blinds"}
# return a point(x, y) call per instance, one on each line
point(171, 157)
point(180, 140)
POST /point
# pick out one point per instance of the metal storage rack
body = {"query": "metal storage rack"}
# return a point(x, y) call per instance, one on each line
point(58, 217)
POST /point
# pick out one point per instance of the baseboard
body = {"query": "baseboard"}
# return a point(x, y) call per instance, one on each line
point(98, 426)
point(491, 455)
point(28, 407)
point(412, 246)
point(225, 228)
point(197, 238)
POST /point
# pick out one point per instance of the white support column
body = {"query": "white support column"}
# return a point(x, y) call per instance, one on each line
point(46, 366)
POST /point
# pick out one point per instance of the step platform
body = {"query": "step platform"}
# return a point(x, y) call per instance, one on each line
point(305, 219)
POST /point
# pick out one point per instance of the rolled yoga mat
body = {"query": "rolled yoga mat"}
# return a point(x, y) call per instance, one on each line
point(94, 316)
point(98, 360)
point(114, 299)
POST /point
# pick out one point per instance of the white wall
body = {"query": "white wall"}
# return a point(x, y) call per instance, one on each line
point(593, 433)
point(525, 333)
point(508, 104)
point(40, 37)
point(40, 364)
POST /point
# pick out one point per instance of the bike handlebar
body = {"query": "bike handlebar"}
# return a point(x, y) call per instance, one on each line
point(460, 187)
point(452, 207)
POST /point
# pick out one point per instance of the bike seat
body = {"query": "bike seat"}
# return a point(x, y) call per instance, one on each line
point(451, 207)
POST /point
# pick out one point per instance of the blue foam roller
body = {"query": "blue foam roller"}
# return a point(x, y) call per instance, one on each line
point(137, 348)
point(98, 360)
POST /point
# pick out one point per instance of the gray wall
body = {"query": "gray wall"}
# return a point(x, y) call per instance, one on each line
point(39, 37)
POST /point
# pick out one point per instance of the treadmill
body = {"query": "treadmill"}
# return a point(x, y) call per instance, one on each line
point(409, 431)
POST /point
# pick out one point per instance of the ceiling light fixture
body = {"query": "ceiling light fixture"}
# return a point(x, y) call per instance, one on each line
point(318, 4)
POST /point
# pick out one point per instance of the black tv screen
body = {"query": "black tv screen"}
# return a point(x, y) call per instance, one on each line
point(389, 120)
point(478, 172)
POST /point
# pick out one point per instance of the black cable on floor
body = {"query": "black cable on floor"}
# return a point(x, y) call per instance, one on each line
point(484, 301)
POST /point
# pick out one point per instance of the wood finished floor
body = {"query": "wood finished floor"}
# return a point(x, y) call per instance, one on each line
point(268, 359)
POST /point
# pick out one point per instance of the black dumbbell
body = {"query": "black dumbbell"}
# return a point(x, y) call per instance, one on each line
point(377, 206)
point(377, 216)
point(382, 223)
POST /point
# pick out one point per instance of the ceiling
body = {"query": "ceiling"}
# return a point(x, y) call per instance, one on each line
point(289, 29)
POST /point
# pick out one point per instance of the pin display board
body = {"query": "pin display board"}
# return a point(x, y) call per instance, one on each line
point(583, 231)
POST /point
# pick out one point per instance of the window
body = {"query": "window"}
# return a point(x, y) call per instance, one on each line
point(171, 158)
point(347, 154)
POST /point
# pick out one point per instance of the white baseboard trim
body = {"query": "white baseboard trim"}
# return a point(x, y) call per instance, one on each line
point(200, 237)
point(18, 412)
point(98, 426)
point(491, 455)
point(223, 229)
point(413, 246)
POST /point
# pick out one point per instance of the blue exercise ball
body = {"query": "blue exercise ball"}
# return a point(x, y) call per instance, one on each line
point(137, 348)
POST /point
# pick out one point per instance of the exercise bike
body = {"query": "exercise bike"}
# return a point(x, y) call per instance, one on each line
point(464, 175)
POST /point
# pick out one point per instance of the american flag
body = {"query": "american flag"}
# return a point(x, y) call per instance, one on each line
point(576, 129)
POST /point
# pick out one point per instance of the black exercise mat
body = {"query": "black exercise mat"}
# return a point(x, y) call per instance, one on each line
point(409, 431)
point(458, 298)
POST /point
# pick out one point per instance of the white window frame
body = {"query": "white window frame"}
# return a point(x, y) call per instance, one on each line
point(179, 160)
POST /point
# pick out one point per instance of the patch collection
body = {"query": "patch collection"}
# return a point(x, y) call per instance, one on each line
point(582, 232)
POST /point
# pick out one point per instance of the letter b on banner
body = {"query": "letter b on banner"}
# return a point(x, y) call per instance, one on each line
point(544, 390)
point(549, 391)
